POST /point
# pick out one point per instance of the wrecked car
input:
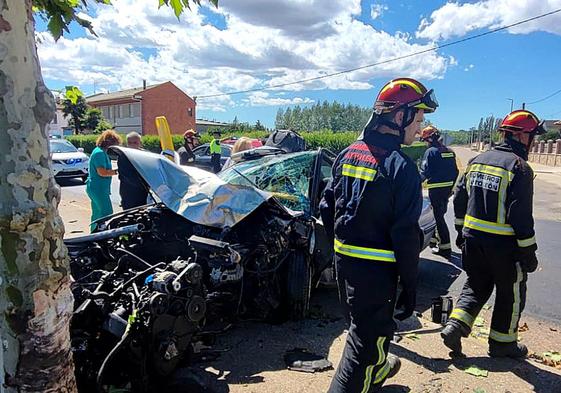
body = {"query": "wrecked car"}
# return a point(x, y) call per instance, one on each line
point(152, 282)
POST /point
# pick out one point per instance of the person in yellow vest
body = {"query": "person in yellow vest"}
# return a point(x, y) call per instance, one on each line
point(215, 152)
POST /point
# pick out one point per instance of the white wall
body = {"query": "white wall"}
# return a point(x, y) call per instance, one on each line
point(58, 123)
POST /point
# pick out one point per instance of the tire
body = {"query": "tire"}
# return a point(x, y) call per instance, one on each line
point(298, 285)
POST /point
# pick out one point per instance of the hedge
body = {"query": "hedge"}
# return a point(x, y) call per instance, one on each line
point(334, 141)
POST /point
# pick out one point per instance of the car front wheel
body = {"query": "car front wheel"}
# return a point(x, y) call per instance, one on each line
point(298, 285)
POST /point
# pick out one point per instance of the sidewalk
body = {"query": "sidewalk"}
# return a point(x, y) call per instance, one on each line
point(465, 153)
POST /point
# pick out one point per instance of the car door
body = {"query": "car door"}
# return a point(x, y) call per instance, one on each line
point(202, 157)
point(321, 175)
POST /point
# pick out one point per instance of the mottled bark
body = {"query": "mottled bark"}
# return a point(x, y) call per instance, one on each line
point(35, 298)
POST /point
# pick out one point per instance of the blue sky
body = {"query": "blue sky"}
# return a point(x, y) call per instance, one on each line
point(256, 43)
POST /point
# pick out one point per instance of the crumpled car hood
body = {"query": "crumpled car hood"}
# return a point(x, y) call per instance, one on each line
point(198, 195)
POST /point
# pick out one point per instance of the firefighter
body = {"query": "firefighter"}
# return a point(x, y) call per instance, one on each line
point(371, 208)
point(493, 209)
point(439, 169)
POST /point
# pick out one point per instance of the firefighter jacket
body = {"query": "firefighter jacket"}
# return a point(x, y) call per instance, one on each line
point(438, 167)
point(373, 203)
point(493, 200)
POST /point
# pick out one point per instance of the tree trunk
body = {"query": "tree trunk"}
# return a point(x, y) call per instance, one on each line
point(35, 298)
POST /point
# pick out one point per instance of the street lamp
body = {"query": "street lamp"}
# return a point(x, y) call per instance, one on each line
point(511, 103)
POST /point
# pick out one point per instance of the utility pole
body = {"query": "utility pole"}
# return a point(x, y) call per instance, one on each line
point(511, 103)
point(523, 105)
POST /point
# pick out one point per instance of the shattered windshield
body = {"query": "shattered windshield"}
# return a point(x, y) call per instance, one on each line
point(286, 176)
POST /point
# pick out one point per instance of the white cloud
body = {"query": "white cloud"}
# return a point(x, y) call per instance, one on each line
point(263, 43)
point(376, 10)
point(469, 67)
point(456, 20)
point(261, 98)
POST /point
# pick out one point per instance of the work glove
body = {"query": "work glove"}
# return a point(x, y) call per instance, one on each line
point(460, 237)
point(528, 260)
point(406, 303)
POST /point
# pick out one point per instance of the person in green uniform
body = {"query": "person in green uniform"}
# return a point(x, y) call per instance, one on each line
point(98, 186)
point(215, 152)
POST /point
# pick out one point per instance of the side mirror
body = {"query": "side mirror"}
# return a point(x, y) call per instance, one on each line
point(81, 149)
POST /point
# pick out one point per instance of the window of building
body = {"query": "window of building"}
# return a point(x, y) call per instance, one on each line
point(124, 111)
point(135, 109)
point(190, 112)
point(105, 112)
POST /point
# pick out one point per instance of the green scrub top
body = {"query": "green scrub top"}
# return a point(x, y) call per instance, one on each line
point(98, 184)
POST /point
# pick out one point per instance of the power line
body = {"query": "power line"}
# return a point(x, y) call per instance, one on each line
point(545, 98)
point(435, 48)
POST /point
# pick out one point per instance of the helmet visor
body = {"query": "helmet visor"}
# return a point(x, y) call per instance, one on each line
point(427, 102)
point(541, 128)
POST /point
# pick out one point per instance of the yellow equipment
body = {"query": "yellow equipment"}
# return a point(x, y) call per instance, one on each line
point(165, 138)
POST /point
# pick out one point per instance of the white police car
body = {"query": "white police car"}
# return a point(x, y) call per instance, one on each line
point(68, 161)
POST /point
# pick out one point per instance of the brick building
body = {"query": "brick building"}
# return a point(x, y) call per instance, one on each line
point(136, 109)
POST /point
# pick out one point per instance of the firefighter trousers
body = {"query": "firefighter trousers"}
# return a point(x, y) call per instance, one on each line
point(489, 267)
point(439, 201)
point(369, 291)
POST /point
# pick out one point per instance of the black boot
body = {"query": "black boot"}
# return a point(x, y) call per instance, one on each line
point(395, 365)
point(507, 350)
point(452, 335)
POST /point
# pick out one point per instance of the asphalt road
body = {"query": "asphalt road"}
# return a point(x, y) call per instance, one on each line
point(544, 285)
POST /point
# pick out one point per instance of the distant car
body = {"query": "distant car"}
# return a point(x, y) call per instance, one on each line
point(68, 161)
point(202, 156)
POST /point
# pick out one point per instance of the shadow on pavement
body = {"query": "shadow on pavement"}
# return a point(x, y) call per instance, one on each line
point(251, 348)
point(542, 380)
point(69, 182)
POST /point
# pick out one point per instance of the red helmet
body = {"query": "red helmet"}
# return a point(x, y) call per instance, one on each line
point(405, 93)
point(428, 132)
point(522, 122)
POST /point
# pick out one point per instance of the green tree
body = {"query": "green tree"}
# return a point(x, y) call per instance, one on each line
point(74, 106)
point(91, 119)
point(258, 126)
point(279, 120)
point(333, 116)
point(35, 300)
point(102, 126)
